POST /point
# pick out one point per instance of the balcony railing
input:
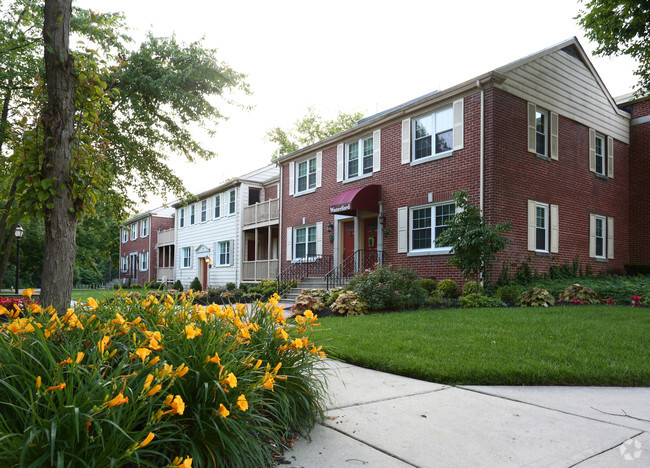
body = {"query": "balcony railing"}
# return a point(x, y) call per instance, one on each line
point(261, 212)
point(166, 237)
point(259, 270)
point(165, 274)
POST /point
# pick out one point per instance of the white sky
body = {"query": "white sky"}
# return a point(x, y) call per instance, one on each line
point(349, 55)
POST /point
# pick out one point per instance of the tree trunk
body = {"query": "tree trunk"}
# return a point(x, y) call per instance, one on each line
point(60, 220)
point(9, 242)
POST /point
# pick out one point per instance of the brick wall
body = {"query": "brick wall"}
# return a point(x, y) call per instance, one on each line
point(271, 192)
point(639, 183)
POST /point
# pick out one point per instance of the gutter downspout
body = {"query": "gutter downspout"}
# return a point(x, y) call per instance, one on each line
point(481, 149)
point(149, 263)
point(280, 225)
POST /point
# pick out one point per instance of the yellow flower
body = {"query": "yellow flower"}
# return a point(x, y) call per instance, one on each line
point(179, 462)
point(61, 386)
point(38, 382)
point(145, 442)
point(268, 381)
point(231, 380)
point(168, 400)
point(80, 356)
point(66, 361)
point(92, 303)
point(118, 320)
point(103, 343)
point(154, 390)
point(35, 308)
point(154, 344)
point(178, 405)
point(154, 361)
point(215, 359)
point(28, 292)
point(142, 353)
point(191, 331)
point(120, 399)
point(147, 382)
point(223, 411)
point(182, 370)
point(242, 404)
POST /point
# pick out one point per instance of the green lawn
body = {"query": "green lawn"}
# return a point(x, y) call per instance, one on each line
point(585, 345)
point(98, 294)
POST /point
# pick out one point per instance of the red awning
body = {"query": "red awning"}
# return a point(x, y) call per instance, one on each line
point(364, 199)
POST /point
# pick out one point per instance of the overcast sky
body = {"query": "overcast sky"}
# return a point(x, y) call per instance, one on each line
point(349, 55)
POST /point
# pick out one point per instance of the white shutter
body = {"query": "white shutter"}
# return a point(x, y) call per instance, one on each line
point(610, 238)
point(292, 183)
point(232, 251)
point(339, 162)
point(554, 133)
point(215, 254)
point(555, 229)
point(458, 125)
point(406, 141)
point(376, 148)
point(319, 169)
point(610, 157)
point(402, 230)
point(319, 238)
point(532, 132)
point(592, 235)
point(289, 244)
point(532, 224)
point(592, 150)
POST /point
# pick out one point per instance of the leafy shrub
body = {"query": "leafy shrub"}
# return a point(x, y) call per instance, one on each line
point(307, 301)
point(117, 286)
point(618, 288)
point(388, 288)
point(428, 284)
point(579, 293)
point(471, 287)
point(524, 275)
point(478, 300)
point(116, 376)
point(448, 288)
point(230, 286)
point(333, 295)
point(155, 285)
point(136, 286)
point(178, 286)
point(264, 289)
point(244, 286)
point(349, 303)
point(510, 293)
point(216, 291)
point(536, 297)
point(195, 285)
point(637, 269)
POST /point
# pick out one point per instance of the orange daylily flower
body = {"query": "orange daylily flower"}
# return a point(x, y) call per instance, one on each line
point(66, 361)
point(223, 411)
point(214, 359)
point(28, 292)
point(142, 353)
point(178, 405)
point(179, 462)
point(80, 356)
point(92, 303)
point(154, 390)
point(103, 344)
point(145, 442)
point(61, 386)
point(231, 380)
point(191, 331)
point(147, 382)
point(242, 404)
point(38, 382)
point(118, 400)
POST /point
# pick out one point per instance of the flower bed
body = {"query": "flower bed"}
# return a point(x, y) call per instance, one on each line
point(154, 382)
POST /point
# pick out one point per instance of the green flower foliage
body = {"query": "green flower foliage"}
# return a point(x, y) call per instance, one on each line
point(478, 300)
point(349, 303)
point(388, 288)
point(582, 294)
point(536, 297)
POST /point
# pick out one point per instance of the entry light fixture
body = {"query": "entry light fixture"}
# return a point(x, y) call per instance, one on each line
point(330, 227)
point(382, 219)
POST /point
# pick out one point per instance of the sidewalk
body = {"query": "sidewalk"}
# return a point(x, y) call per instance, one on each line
point(383, 420)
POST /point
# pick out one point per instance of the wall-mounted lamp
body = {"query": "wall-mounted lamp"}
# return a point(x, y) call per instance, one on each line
point(330, 227)
point(208, 260)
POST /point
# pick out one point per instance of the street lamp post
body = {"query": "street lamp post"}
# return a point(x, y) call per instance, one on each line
point(19, 233)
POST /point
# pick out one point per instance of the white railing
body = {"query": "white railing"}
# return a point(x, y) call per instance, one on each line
point(259, 270)
point(261, 212)
point(166, 236)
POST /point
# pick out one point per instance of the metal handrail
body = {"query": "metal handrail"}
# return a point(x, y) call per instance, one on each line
point(310, 265)
point(350, 266)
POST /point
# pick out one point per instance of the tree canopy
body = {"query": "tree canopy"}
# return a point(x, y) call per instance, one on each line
point(620, 27)
point(309, 129)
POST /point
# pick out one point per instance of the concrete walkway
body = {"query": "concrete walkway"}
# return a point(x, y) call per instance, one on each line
point(376, 419)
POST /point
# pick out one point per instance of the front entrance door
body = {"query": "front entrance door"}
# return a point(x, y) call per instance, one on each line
point(204, 272)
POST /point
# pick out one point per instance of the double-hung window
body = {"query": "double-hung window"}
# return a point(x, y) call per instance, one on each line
point(134, 231)
point(305, 242)
point(359, 157)
point(186, 257)
point(427, 223)
point(125, 263)
point(144, 228)
point(601, 237)
point(306, 175)
point(144, 261)
point(433, 134)
point(181, 218)
point(204, 210)
point(217, 206)
point(125, 235)
point(224, 253)
point(541, 227)
point(192, 214)
point(600, 154)
point(541, 131)
point(231, 202)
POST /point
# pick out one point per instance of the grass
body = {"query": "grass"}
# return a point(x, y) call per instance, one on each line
point(585, 345)
point(98, 294)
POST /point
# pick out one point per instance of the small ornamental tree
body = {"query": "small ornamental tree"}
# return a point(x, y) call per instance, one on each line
point(474, 241)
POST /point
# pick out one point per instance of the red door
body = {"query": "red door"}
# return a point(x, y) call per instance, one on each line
point(348, 247)
point(204, 279)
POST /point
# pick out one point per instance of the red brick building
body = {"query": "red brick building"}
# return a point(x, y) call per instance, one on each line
point(539, 143)
point(141, 256)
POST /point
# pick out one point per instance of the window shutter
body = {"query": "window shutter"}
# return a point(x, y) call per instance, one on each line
point(532, 133)
point(215, 254)
point(319, 169)
point(592, 150)
point(291, 177)
point(555, 229)
point(610, 238)
point(610, 157)
point(289, 244)
point(406, 141)
point(592, 235)
point(458, 124)
point(232, 251)
point(402, 230)
point(319, 238)
point(532, 224)
point(339, 162)
point(554, 133)
point(376, 147)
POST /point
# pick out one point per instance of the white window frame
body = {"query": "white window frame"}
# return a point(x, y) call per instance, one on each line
point(144, 261)
point(308, 186)
point(232, 202)
point(603, 237)
point(144, 227)
point(125, 263)
point(216, 212)
point(431, 117)
point(186, 257)
point(547, 230)
point(361, 159)
point(204, 210)
point(181, 218)
point(134, 231)
point(307, 229)
point(125, 235)
point(223, 248)
point(602, 155)
point(192, 214)
point(433, 208)
point(544, 131)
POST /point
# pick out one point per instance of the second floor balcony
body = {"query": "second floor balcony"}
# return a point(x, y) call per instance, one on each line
point(261, 212)
point(166, 236)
